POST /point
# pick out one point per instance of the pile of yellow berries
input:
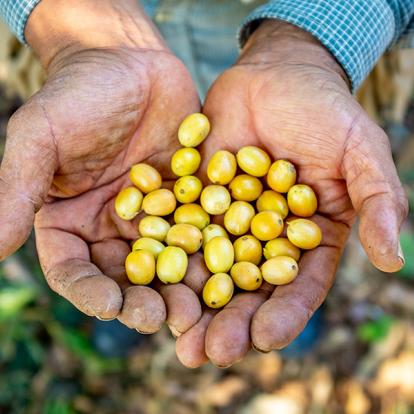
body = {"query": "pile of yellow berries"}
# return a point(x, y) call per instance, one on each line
point(169, 233)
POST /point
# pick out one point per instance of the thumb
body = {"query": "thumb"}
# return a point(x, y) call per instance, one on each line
point(26, 174)
point(376, 194)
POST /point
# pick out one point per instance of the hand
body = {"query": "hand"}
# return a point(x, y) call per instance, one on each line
point(289, 96)
point(112, 99)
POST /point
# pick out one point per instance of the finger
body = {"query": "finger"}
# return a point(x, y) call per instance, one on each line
point(183, 307)
point(377, 195)
point(228, 335)
point(282, 317)
point(109, 255)
point(26, 174)
point(143, 309)
point(65, 261)
point(190, 346)
point(197, 273)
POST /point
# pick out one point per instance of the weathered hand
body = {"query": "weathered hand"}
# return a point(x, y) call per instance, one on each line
point(289, 96)
point(68, 153)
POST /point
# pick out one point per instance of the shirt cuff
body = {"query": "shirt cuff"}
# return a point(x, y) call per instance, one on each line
point(356, 32)
point(16, 13)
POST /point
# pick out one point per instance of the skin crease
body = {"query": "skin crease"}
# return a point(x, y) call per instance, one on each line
point(108, 106)
point(288, 95)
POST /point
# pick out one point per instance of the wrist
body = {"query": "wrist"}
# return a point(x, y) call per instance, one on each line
point(275, 41)
point(60, 26)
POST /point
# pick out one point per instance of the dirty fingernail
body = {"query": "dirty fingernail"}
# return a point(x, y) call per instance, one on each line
point(401, 253)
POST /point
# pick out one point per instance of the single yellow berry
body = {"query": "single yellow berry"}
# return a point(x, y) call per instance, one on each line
point(215, 199)
point(302, 200)
point(193, 130)
point(128, 203)
point(247, 249)
point(266, 225)
point(172, 264)
point(279, 270)
point(218, 290)
point(304, 233)
point(145, 177)
point(211, 231)
point(192, 214)
point(281, 247)
point(219, 255)
point(222, 167)
point(185, 161)
point(154, 227)
point(187, 189)
point(253, 160)
point(140, 267)
point(245, 188)
point(238, 217)
point(148, 244)
point(186, 236)
point(159, 202)
point(271, 201)
point(281, 176)
point(246, 275)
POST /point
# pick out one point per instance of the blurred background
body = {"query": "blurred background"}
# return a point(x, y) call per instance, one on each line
point(355, 357)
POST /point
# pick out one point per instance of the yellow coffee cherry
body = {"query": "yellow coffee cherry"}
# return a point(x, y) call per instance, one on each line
point(266, 225)
point(211, 231)
point(302, 200)
point(192, 214)
point(281, 247)
point(218, 290)
point(172, 264)
point(304, 233)
point(279, 270)
point(145, 177)
point(193, 130)
point(271, 201)
point(281, 176)
point(219, 255)
point(185, 161)
point(187, 189)
point(246, 275)
point(238, 217)
point(247, 249)
point(186, 236)
point(215, 199)
point(140, 267)
point(154, 227)
point(245, 188)
point(159, 202)
point(128, 203)
point(253, 160)
point(148, 244)
point(222, 167)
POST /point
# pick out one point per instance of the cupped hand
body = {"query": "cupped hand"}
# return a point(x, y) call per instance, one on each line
point(289, 96)
point(68, 153)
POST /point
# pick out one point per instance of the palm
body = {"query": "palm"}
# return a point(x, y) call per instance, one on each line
point(112, 109)
point(306, 115)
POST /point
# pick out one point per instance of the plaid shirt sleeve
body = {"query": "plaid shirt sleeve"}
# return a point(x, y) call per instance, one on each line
point(16, 13)
point(357, 32)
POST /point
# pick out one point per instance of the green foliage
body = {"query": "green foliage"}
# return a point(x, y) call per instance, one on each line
point(374, 331)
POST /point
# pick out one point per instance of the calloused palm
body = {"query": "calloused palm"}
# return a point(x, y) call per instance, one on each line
point(300, 111)
point(68, 153)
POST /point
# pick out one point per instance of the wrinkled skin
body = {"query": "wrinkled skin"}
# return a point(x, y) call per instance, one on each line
point(293, 100)
point(68, 153)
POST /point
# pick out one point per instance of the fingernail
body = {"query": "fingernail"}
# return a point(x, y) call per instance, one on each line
point(175, 333)
point(259, 350)
point(224, 366)
point(401, 253)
